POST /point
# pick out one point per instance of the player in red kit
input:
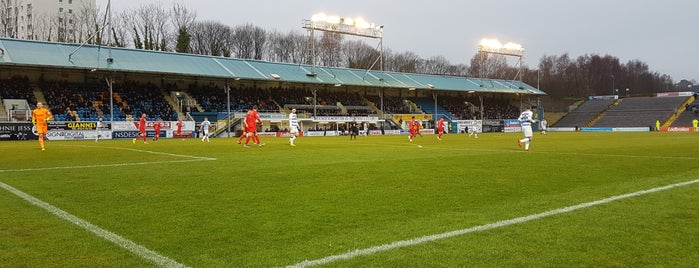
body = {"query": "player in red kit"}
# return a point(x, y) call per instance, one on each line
point(178, 132)
point(141, 129)
point(440, 128)
point(251, 120)
point(242, 136)
point(156, 127)
point(417, 128)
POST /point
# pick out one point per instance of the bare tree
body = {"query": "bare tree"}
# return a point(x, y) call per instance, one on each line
point(248, 41)
point(329, 49)
point(403, 62)
point(434, 65)
point(211, 38)
point(359, 55)
point(289, 47)
point(182, 19)
point(486, 65)
point(150, 22)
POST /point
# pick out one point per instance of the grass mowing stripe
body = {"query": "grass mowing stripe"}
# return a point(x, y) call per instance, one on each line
point(109, 236)
point(144, 151)
point(428, 238)
point(194, 158)
point(104, 165)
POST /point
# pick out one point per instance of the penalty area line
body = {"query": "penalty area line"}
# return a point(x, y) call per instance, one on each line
point(429, 238)
point(129, 245)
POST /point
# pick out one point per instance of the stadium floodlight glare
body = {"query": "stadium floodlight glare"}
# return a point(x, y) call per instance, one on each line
point(495, 47)
point(349, 26)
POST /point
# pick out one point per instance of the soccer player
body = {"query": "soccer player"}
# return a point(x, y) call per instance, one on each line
point(526, 119)
point(440, 128)
point(99, 127)
point(157, 125)
point(293, 127)
point(411, 128)
point(695, 124)
point(417, 126)
point(472, 130)
point(205, 129)
point(141, 130)
point(353, 130)
point(543, 124)
point(251, 120)
point(178, 132)
point(40, 117)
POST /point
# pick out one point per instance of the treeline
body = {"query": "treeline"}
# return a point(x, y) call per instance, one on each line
point(154, 26)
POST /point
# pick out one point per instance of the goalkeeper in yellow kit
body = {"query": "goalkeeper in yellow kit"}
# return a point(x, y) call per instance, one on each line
point(40, 116)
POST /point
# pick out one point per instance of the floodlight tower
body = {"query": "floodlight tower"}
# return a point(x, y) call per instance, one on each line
point(348, 26)
point(493, 46)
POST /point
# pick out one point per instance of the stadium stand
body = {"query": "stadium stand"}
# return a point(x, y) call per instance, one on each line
point(640, 112)
point(15, 88)
point(86, 102)
point(690, 113)
point(584, 114)
point(391, 105)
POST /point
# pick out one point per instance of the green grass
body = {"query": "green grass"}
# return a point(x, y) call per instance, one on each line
point(221, 205)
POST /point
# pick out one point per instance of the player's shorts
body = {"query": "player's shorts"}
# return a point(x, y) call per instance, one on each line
point(294, 130)
point(251, 129)
point(527, 130)
point(41, 128)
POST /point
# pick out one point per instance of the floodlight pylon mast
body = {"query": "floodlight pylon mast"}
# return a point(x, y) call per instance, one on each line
point(341, 28)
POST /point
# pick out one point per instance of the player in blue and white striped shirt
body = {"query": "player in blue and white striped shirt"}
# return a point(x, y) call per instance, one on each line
point(293, 127)
point(526, 119)
point(205, 129)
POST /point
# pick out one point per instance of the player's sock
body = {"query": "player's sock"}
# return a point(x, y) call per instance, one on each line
point(247, 140)
point(41, 142)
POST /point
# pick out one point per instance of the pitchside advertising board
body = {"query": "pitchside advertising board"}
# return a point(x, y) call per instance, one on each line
point(88, 130)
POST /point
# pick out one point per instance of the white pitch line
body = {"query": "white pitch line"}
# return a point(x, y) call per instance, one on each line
point(429, 238)
point(103, 165)
point(109, 236)
point(193, 159)
point(144, 151)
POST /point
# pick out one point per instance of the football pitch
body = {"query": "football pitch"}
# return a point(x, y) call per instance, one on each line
point(575, 200)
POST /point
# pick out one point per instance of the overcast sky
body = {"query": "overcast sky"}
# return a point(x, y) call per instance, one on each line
point(664, 34)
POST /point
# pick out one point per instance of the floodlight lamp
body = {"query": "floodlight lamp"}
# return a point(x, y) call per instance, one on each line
point(338, 85)
point(411, 89)
point(431, 86)
point(275, 76)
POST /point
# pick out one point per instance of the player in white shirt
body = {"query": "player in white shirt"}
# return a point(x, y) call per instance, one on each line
point(293, 127)
point(99, 127)
point(543, 124)
point(205, 129)
point(472, 130)
point(526, 119)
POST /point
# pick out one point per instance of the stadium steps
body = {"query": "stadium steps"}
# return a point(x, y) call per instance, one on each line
point(39, 95)
point(222, 125)
point(681, 109)
point(172, 103)
point(601, 114)
point(372, 106)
